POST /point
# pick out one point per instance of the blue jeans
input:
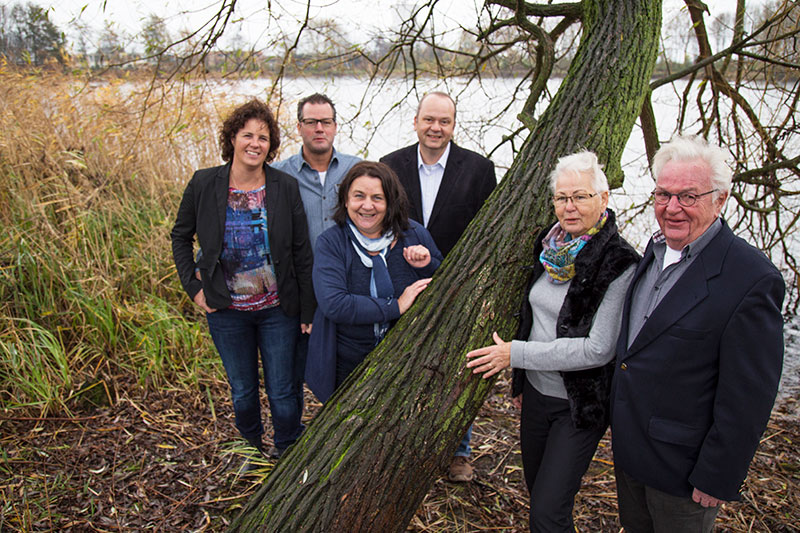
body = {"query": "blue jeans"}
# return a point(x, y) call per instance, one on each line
point(239, 337)
point(300, 356)
point(463, 447)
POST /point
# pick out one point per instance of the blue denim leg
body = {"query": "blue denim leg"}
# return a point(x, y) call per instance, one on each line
point(300, 356)
point(278, 335)
point(239, 336)
point(463, 447)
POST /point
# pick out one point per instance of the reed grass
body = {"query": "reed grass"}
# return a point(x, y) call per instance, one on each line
point(90, 178)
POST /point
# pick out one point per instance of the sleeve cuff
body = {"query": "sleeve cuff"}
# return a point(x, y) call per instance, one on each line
point(517, 354)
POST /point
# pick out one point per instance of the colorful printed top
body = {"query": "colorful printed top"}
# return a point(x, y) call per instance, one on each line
point(246, 259)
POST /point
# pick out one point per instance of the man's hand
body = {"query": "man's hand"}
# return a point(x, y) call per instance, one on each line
point(706, 500)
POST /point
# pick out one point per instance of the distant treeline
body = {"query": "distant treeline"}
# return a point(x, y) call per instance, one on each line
point(28, 38)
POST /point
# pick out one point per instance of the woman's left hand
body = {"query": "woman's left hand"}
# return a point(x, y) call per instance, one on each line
point(491, 359)
point(305, 328)
point(417, 256)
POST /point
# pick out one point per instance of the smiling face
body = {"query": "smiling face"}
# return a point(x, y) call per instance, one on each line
point(435, 123)
point(683, 225)
point(317, 138)
point(578, 218)
point(251, 144)
point(366, 205)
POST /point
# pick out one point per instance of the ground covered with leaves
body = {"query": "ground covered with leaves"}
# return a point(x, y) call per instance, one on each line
point(169, 461)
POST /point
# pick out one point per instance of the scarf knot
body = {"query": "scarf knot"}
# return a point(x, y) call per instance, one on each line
point(372, 253)
point(560, 250)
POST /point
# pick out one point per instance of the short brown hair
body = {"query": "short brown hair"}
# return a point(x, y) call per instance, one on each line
point(258, 110)
point(396, 218)
point(315, 98)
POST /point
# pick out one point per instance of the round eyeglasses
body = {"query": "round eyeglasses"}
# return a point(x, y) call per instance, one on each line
point(686, 199)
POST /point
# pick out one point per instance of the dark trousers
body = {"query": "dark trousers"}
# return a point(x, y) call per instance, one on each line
point(643, 509)
point(555, 456)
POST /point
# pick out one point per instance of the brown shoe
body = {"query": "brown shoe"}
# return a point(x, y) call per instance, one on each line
point(460, 470)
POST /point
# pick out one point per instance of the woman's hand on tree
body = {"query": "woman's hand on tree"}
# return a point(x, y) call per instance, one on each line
point(412, 291)
point(417, 256)
point(490, 359)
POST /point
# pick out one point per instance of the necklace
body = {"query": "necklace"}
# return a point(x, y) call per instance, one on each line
point(246, 185)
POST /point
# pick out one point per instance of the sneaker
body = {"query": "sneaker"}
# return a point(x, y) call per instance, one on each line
point(460, 470)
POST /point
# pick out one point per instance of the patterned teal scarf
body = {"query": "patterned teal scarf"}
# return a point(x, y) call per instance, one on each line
point(560, 251)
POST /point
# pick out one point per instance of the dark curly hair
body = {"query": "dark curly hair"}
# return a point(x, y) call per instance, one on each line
point(258, 110)
point(396, 218)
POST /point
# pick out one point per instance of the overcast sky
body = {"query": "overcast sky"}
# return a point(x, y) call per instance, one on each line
point(251, 22)
point(362, 19)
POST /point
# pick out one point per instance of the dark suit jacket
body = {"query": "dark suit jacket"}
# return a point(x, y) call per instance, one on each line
point(467, 182)
point(202, 213)
point(693, 394)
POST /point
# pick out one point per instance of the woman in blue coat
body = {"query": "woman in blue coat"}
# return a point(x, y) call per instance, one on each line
point(368, 270)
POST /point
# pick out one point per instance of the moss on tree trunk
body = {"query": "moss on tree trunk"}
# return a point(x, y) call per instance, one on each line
point(368, 459)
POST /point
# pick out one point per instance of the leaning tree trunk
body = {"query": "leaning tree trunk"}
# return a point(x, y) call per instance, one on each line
point(368, 459)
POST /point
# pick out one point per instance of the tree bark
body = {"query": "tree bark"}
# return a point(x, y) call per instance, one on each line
point(368, 459)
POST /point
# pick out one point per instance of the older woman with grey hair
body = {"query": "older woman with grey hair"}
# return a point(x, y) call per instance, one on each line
point(563, 355)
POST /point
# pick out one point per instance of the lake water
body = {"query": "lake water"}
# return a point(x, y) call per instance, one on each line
point(374, 121)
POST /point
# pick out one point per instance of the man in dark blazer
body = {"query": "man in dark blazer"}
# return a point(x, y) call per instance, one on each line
point(446, 186)
point(699, 355)
point(447, 205)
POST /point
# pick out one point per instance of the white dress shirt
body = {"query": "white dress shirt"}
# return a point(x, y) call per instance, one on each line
point(430, 178)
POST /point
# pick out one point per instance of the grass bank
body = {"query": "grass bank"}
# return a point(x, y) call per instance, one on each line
point(107, 377)
point(90, 177)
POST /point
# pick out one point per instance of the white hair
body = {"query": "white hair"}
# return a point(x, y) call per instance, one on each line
point(579, 163)
point(686, 148)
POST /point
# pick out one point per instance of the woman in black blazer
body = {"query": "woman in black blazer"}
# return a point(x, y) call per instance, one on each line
point(252, 272)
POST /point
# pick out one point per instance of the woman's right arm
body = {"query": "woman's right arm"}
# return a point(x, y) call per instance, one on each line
point(333, 295)
point(182, 236)
point(579, 353)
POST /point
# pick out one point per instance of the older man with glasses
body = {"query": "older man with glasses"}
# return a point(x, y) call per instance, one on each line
point(699, 355)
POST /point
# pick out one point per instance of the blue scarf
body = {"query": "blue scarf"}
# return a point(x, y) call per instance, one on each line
point(380, 283)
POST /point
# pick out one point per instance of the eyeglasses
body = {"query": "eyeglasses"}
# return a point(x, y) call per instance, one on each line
point(686, 199)
point(577, 199)
point(312, 122)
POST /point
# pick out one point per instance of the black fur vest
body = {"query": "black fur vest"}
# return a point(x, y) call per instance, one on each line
point(601, 261)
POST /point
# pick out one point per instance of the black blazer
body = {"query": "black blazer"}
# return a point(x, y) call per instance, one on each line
point(467, 182)
point(693, 394)
point(202, 213)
